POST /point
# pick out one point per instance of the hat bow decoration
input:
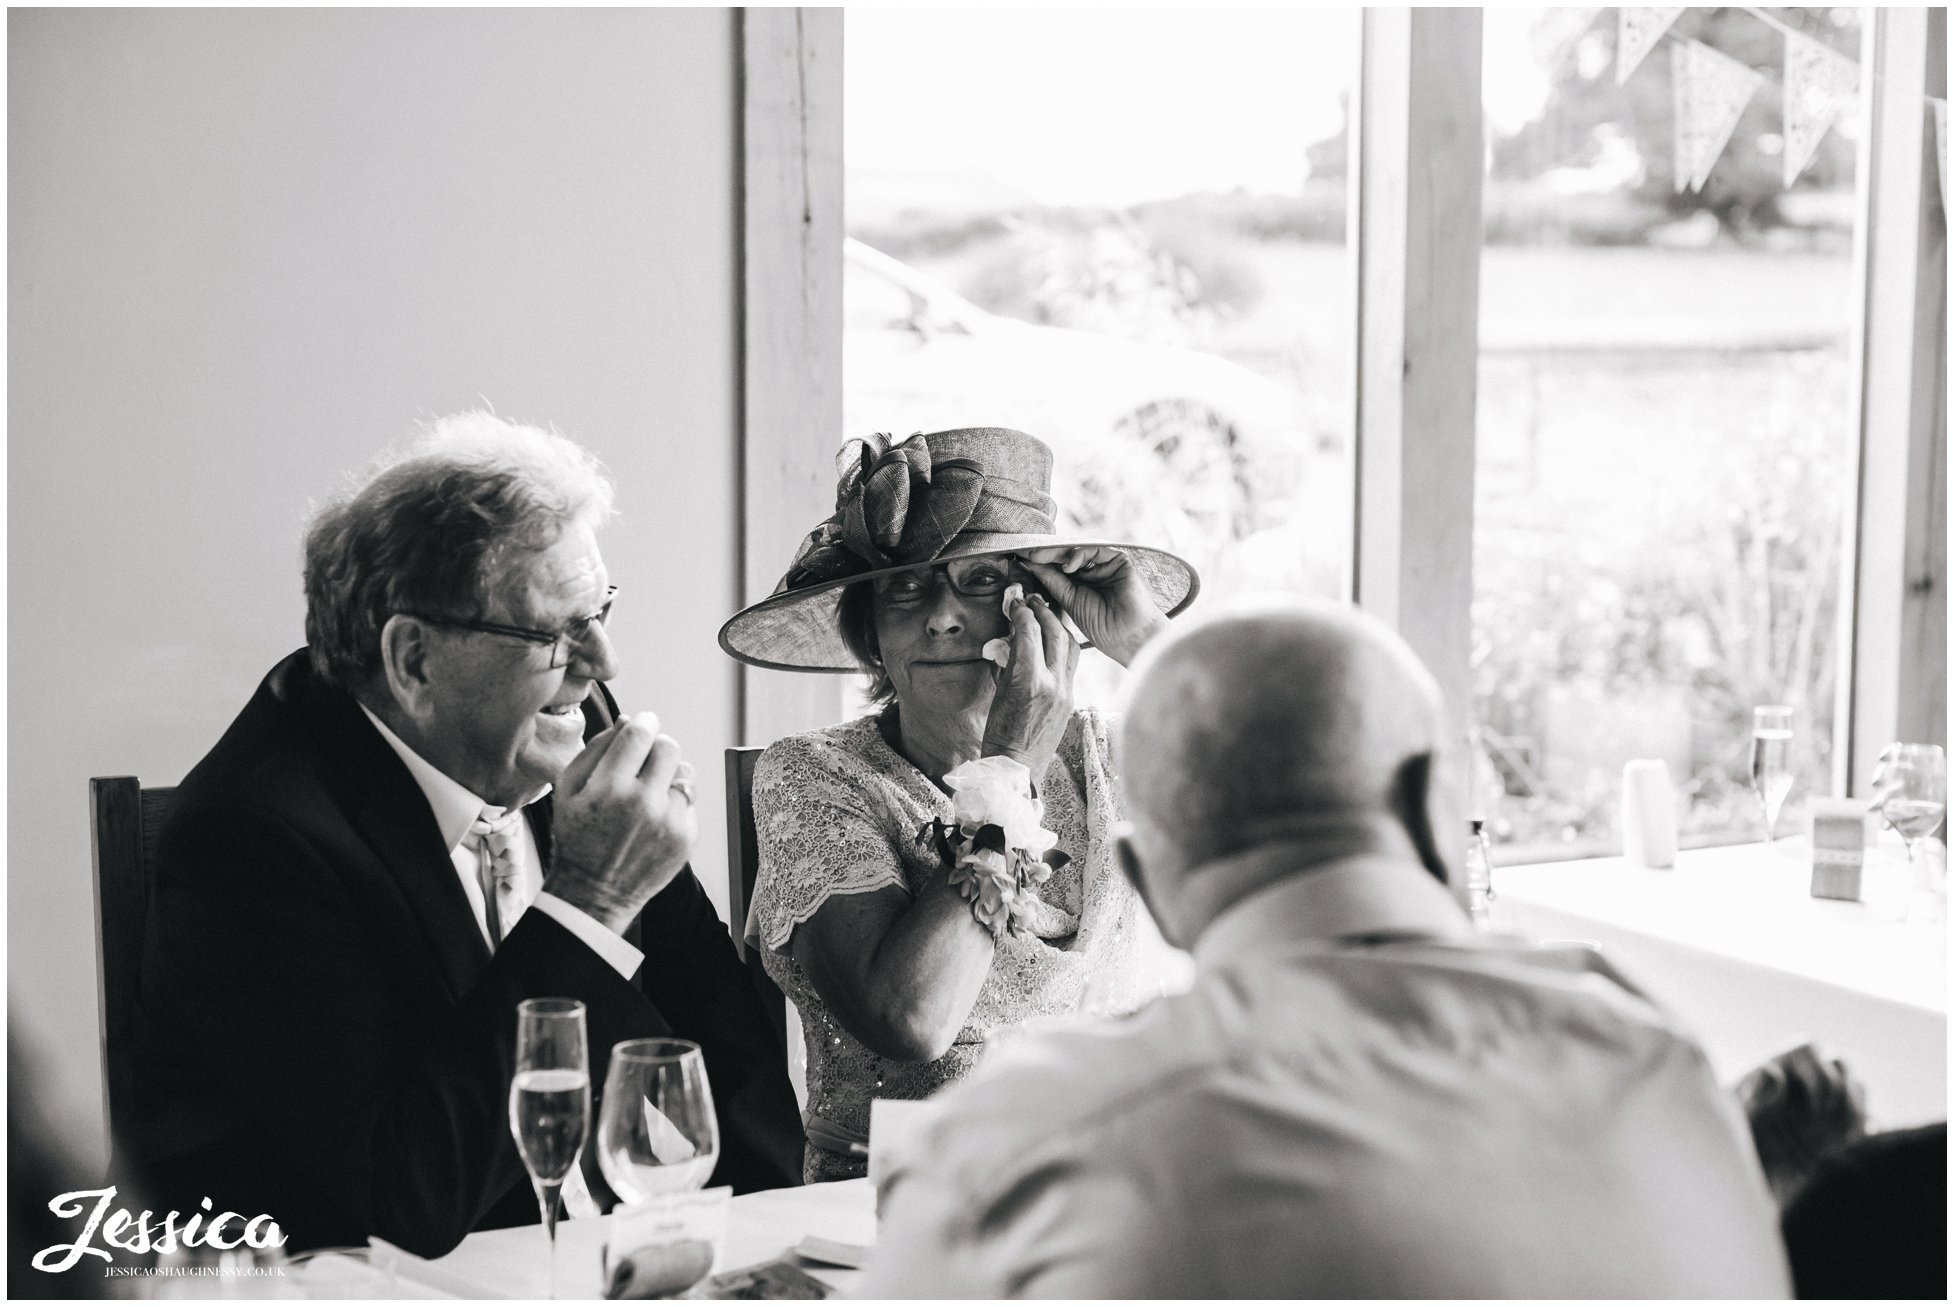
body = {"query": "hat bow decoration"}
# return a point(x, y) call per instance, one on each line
point(895, 505)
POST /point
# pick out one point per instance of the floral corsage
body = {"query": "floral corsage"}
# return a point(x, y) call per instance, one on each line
point(994, 846)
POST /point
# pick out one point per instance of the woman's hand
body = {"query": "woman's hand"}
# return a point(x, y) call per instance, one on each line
point(1033, 701)
point(1101, 590)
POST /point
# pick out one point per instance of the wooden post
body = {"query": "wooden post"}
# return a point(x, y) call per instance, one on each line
point(1418, 151)
point(792, 298)
point(1892, 681)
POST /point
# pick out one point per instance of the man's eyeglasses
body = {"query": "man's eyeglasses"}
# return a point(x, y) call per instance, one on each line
point(563, 644)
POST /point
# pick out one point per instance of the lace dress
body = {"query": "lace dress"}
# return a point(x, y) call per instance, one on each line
point(837, 811)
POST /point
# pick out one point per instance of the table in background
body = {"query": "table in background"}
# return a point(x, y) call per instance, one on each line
point(1732, 941)
point(512, 1263)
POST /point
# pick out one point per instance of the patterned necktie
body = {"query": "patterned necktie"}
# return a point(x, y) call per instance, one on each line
point(494, 836)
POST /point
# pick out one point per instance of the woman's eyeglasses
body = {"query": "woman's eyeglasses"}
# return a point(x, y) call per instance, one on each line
point(985, 580)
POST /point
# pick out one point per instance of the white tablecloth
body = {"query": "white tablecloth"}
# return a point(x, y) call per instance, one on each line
point(513, 1263)
point(1732, 941)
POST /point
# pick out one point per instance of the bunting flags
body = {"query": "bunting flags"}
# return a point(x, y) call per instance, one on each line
point(1818, 82)
point(1712, 89)
point(1637, 34)
point(1558, 31)
point(1940, 143)
point(1711, 92)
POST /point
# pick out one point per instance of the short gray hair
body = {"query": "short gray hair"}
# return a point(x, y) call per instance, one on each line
point(428, 527)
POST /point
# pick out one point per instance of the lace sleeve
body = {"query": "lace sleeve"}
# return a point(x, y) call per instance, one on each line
point(818, 835)
point(1099, 780)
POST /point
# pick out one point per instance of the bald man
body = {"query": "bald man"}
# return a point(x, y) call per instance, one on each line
point(1358, 1097)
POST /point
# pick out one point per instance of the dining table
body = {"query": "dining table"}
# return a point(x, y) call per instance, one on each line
point(1732, 941)
point(760, 1227)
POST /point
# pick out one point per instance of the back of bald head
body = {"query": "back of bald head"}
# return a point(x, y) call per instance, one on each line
point(1272, 719)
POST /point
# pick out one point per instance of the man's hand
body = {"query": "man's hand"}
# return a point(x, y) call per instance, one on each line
point(1101, 590)
point(624, 822)
point(1802, 1105)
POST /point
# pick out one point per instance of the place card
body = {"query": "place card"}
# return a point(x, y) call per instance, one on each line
point(664, 1245)
point(1838, 847)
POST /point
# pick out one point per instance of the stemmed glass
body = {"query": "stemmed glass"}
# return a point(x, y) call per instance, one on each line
point(549, 1103)
point(657, 1133)
point(1770, 761)
point(1911, 790)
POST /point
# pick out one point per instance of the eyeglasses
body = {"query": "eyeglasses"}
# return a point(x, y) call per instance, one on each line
point(985, 579)
point(563, 644)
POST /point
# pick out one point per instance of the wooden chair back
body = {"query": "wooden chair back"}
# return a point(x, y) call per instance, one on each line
point(743, 868)
point(125, 820)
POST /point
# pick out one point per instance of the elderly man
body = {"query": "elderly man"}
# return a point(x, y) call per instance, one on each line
point(1358, 1097)
point(429, 814)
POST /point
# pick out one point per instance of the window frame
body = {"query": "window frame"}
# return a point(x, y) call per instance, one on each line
point(1892, 636)
point(791, 321)
point(1417, 140)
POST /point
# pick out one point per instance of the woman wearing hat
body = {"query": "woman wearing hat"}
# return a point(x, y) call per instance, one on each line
point(943, 868)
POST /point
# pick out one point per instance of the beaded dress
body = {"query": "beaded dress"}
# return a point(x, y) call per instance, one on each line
point(837, 812)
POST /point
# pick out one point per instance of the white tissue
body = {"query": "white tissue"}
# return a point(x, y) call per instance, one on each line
point(999, 650)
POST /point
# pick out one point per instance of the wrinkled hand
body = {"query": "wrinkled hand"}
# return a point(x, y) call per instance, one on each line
point(624, 822)
point(1033, 701)
point(1802, 1105)
point(1101, 590)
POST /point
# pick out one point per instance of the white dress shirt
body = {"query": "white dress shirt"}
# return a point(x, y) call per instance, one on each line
point(1436, 1115)
point(455, 809)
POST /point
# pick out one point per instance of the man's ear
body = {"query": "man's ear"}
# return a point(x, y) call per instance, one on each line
point(404, 658)
point(1128, 856)
point(1411, 800)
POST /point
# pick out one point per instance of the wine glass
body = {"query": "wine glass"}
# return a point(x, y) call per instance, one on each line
point(1911, 789)
point(657, 1132)
point(549, 1102)
point(1770, 761)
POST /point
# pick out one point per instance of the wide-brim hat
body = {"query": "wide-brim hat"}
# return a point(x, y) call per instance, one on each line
point(975, 492)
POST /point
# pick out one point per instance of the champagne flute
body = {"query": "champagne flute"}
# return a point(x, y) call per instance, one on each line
point(658, 1132)
point(1770, 761)
point(549, 1102)
point(1911, 785)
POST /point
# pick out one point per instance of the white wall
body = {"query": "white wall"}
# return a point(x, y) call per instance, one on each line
point(249, 248)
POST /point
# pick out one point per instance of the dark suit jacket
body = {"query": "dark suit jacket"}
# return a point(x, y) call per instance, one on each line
point(1872, 1220)
point(325, 1036)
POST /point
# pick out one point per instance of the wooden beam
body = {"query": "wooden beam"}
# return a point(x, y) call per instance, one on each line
point(1418, 150)
point(1893, 600)
point(792, 60)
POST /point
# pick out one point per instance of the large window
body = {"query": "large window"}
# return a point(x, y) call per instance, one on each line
point(1122, 231)
point(1664, 431)
point(1125, 231)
